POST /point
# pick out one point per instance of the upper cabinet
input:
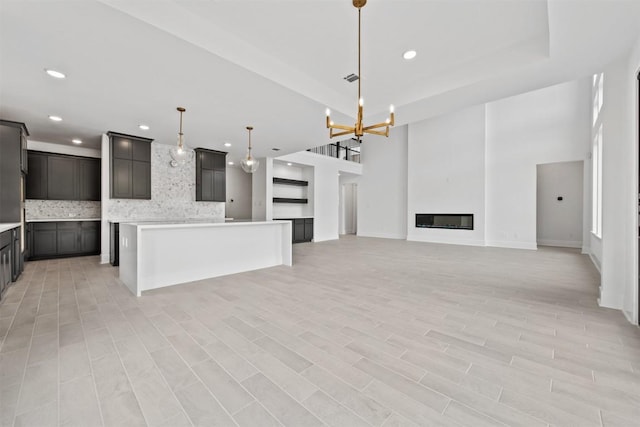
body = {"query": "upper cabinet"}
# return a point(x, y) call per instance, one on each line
point(13, 136)
point(61, 177)
point(130, 166)
point(211, 171)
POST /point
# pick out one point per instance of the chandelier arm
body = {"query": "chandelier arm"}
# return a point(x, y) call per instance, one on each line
point(343, 127)
point(346, 132)
point(379, 125)
point(377, 132)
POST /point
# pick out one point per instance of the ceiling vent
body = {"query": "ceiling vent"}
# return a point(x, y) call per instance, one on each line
point(351, 78)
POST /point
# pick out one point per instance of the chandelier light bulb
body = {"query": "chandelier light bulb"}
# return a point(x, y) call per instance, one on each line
point(391, 108)
point(388, 121)
point(328, 112)
point(361, 102)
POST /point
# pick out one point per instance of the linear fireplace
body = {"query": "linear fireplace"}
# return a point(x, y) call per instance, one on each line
point(449, 221)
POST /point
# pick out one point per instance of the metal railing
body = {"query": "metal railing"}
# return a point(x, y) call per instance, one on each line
point(348, 149)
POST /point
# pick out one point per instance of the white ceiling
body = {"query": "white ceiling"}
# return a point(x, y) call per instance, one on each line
point(276, 64)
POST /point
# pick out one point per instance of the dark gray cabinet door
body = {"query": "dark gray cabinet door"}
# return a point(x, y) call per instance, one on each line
point(89, 179)
point(141, 180)
point(10, 196)
point(130, 166)
point(89, 237)
point(61, 178)
point(121, 177)
point(68, 238)
point(219, 185)
point(43, 239)
point(121, 148)
point(308, 229)
point(298, 230)
point(36, 182)
point(211, 175)
point(207, 185)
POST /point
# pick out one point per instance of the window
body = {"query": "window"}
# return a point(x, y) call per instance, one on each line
point(596, 154)
point(596, 169)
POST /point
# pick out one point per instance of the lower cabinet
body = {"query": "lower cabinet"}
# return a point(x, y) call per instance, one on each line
point(63, 239)
point(5, 261)
point(301, 229)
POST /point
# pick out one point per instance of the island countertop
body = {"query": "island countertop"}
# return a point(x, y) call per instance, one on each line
point(158, 254)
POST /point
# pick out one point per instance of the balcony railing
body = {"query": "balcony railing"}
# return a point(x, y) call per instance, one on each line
point(348, 149)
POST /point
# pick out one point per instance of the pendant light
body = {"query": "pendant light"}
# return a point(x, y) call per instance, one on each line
point(181, 153)
point(249, 164)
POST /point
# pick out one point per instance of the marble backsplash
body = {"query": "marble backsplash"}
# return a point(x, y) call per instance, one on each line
point(173, 194)
point(57, 209)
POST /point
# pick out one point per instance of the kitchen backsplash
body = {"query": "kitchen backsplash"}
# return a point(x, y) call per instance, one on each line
point(56, 209)
point(173, 194)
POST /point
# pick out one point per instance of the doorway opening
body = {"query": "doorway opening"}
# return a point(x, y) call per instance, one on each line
point(559, 204)
point(349, 208)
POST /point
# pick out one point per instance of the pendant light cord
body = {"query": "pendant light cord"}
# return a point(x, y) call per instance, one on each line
point(359, 52)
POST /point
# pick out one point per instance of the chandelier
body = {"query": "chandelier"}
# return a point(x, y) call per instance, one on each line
point(359, 129)
point(181, 154)
point(249, 164)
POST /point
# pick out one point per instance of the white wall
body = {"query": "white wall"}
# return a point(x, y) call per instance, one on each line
point(619, 286)
point(238, 204)
point(544, 126)
point(446, 174)
point(262, 191)
point(73, 150)
point(325, 188)
point(559, 222)
point(382, 189)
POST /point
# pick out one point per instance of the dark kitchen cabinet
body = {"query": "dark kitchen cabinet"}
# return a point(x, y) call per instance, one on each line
point(63, 239)
point(5, 261)
point(12, 140)
point(130, 166)
point(89, 177)
point(211, 172)
point(62, 177)
point(42, 239)
point(301, 229)
point(36, 181)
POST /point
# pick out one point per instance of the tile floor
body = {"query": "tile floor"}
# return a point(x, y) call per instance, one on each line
point(360, 332)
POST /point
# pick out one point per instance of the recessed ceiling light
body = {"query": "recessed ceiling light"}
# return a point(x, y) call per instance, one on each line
point(143, 127)
point(55, 118)
point(76, 141)
point(410, 54)
point(227, 144)
point(288, 164)
point(56, 74)
point(230, 163)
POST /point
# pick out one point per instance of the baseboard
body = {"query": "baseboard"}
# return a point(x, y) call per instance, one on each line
point(512, 244)
point(382, 235)
point(560, 243)
point(105, 259)
point(629, 317)
point(595, 262)
point(610, 300)
point(464, 242)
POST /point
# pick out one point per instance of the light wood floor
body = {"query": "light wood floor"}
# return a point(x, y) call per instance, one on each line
point(359, 331)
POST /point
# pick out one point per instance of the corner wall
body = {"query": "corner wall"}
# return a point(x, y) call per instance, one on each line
point(545, 126)
point(382, 188)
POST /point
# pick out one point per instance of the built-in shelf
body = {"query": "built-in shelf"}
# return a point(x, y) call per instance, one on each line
point(287, 181)
point(288, 200)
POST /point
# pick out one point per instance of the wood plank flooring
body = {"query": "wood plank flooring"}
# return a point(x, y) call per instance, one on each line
point(359, 332)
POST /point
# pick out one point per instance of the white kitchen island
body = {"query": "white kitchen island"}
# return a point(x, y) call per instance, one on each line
point(158, 254)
